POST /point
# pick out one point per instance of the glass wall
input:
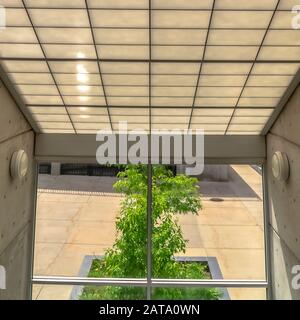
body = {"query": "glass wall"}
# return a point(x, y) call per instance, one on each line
point(208, 227)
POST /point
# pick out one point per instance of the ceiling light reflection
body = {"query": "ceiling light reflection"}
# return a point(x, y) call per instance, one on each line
point(83, 88)
point(81, 77)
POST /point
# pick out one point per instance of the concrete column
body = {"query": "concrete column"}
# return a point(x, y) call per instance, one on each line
point(284, 202)
point(218, 172)
point(16, 202)
point(211, 172)
point(55, 168)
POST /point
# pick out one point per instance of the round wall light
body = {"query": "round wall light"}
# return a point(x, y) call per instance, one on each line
point(280, 166)
point(19, 164)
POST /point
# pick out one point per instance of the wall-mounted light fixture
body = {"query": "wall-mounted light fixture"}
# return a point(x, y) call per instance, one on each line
point(280, 166)
point(19, 164)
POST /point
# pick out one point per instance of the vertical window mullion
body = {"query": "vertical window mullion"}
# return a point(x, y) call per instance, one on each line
point(149, 231)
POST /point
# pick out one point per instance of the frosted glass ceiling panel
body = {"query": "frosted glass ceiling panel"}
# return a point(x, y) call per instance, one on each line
point(55, 3)
point(282, 20)
point(132, 119)
point(74, 66)
point(31, 78)
point(218, 91)
point(184, 102)
point(249, 120)
point(43, 130)
point(91, 131)
point(275, 80)
point(69, 51)
point(128, 101)
point(253, 112)
point(177, 80)
point(179, 4)
point(173, 126)
point(128, 4)
point(214, 80)
point(226, 68)
point(55, 125)
point(231, 53)
point(169, 120)
point(18, 35)
point(51, 117)
point(170, 111)
point(122, 36)
point(177, 53)
point(16, 17)
point(258, 102)
point(47, 109)
point(11, 3)
point(126, 91)
point(65, 35)
point(275, 68)
point(215, 102)
point(129, 111)
point(42, 99)
point(235, 37)
point(279, 53)
point(89, 118)
point(77, 79)
point(212, 112)
point(124, 67)
point(123, 52)
point(209, 127)
point(175, 68)
point(167, 36)
point(210, 120)
point(120, 18)
point(287, 4)
point(173, 91)
point(81, 90)
point(263, 92)
point(84, 100)
point(86, 125)
point(16, 50)
point(245, 127)
point(241, 19)
point(134, 126)
point(283, 37)
point(122, 79)
point(180, 19)
point(25, 66)
point(255, 133)
point(87, 110)
point(59, 18)
point(38, 89)
point(246, 4)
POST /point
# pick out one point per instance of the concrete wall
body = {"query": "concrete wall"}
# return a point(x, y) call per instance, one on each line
point(16, 201)
point(284, 200)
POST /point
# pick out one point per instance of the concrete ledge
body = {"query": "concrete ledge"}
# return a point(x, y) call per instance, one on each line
point(223, 149)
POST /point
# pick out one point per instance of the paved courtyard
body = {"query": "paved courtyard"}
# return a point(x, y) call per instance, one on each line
point(76, 217)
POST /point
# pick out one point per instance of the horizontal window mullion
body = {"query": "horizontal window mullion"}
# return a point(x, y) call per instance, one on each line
point(141, 282)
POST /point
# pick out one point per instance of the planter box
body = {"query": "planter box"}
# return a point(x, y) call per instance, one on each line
point(212, 264)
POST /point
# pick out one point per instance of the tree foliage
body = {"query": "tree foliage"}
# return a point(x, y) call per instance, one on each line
point(171, 195)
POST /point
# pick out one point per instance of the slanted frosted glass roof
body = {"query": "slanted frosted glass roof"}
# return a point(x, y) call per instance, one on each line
point(81, 66)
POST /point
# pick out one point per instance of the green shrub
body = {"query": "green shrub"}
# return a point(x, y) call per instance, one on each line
point(171, 195)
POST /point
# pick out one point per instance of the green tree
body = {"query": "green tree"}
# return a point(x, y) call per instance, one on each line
point(171, 195)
